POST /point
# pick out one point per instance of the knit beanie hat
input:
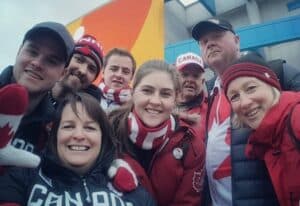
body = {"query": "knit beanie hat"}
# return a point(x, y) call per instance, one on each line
point(250, 65)
point(88, 46)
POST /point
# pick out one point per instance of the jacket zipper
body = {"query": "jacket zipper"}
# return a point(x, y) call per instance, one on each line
point(87, 192)
point(156, 154)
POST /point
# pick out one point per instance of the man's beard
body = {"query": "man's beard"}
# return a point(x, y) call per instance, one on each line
point(65, 89)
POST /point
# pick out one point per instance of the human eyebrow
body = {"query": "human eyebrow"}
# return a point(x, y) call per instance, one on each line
point(146, 88)
point(57, 58)
point(167, 90)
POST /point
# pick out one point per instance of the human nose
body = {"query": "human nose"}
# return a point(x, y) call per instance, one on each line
point(37, 62)
point(210, 43)
point(245, 101)
point(83, 69)
point(118, 73)
point(155, 99)
point(78, 134)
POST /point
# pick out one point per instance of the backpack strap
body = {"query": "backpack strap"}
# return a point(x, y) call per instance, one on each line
point(292, 135)
point(277, 67)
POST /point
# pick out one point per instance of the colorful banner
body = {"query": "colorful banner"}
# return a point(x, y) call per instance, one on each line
point(137, 26)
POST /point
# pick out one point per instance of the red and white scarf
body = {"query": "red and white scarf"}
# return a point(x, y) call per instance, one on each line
point(148, 138)
point(119, 96)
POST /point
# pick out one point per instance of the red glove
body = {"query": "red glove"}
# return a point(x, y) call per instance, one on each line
point(13, 105)
point(123, 177)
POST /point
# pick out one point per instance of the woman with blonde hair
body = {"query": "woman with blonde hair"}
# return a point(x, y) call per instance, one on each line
point(255, 95)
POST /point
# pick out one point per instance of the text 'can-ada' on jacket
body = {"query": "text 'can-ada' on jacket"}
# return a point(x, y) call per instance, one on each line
point(53, 184)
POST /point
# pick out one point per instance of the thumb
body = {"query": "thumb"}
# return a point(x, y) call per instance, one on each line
point(123, 177)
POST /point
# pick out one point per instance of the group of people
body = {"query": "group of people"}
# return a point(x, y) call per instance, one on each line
point(167, 138)
point(247, 139)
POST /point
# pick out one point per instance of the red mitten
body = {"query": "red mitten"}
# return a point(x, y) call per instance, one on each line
point(13, 105)
point(123, 177)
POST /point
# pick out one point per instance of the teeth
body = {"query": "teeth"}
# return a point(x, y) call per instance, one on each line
point(78, 148)
point(251, 113)
point(189, 87)
point(152, 111)
point(34, 75)
point(74, 76)
point(117, 81)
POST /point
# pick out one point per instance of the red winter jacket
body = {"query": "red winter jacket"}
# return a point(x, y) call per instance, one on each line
point(175, 182)
point(271, 142)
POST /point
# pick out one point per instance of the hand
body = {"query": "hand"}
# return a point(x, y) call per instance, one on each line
point(193, 118)
point(13, 104)
point(122, 175)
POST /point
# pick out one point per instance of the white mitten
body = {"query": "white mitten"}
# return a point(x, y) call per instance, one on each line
point(13, 105)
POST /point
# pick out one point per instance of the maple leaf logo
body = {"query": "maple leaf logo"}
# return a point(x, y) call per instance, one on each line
point(6, 133)
point(221, 162)
point(8, 127)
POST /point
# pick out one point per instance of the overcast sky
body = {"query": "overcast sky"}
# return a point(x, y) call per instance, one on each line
point(17, 16)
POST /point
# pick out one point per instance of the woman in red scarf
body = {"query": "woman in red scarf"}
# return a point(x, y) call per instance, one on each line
point(163, 151)
point(255, 95)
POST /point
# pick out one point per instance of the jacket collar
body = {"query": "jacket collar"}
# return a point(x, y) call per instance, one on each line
point(6, 76)
point(197, 101)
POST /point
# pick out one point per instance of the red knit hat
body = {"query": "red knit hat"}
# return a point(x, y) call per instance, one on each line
point(88, 46)
point(250, 67)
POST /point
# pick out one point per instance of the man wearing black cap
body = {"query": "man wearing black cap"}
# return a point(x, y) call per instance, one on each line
point(40, 62)
point(232, 178)
point(219, 44)
point(85, 65)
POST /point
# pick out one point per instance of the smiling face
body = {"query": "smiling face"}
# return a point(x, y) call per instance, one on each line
point(192, 80)
point(251, 99)
point(154, 100)
point(79, 139)
point(80, 73)
point(118, 72)
point(219, 49)
point(39, 64)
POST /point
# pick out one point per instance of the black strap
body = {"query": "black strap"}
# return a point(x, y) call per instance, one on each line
point(209, 106)
point(292, 135)
point(277, 67)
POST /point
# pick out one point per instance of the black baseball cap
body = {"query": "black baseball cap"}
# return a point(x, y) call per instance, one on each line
point(210, 25)
point(59, 30)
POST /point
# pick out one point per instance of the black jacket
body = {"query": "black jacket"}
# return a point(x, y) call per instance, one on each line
point(53, 183)
point(31, 134)
point(251, 183)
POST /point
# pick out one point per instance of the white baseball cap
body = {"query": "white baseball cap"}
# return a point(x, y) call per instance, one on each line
point(187, 59)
